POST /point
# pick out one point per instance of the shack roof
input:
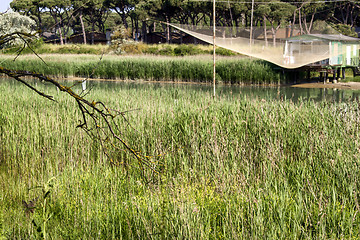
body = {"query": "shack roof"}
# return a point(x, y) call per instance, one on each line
point(324, 37)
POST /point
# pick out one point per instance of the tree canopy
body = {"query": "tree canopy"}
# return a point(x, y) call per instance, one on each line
point(66, 16)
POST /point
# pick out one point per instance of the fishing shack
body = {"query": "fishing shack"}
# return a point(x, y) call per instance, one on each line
point(332, 54)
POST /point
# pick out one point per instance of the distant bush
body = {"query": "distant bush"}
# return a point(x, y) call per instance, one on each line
point(225, 52)
point(121, 42)
point(166, 51)
point(185, 50)
point(134, 48)
point(120, 36)
point(75, 49)
point(152, 50)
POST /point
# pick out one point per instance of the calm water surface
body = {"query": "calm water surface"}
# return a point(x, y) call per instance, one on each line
point(226, 91)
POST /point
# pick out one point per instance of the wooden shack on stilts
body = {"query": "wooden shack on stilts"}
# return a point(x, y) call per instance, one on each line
point(343, 53)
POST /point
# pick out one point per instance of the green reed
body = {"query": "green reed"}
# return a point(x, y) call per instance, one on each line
point(150, 68)
point(233, 167)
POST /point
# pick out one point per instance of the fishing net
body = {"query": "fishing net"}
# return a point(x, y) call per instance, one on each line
point(285, 47)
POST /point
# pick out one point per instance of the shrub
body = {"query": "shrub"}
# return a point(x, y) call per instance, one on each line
point(225, 52)
point(133, 48)
point(14, 22)
point(120, 39)
point(167, 50)
point(151, 50)
point(186, 49)
point(121, 35)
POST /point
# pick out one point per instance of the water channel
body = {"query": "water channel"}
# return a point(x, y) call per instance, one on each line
point(234, 91)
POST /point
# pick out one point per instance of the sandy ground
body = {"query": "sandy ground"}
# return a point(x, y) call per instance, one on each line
point(340, 85)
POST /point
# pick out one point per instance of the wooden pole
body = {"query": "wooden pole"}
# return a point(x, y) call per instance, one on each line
point(214, 48)
point(251, 22)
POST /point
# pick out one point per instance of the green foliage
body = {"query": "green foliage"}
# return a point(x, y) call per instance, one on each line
point(275, 12)
point(134, 48)
point(120, 35)
point(167, 50)
point(13, 22)
point(323, 28)
point(140, 15)
point(121, 38)
point(224, 52)
point(160, 49)
point(345, 30)
point(186, 50)
point(235, 71)
point(32, 44)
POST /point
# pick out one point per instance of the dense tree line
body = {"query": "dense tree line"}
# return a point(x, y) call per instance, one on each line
point(66, 17)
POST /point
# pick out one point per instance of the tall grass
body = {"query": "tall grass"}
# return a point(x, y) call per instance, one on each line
point(194, 69)
point(233, 169)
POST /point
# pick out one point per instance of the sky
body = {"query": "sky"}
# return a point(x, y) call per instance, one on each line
point(4, 5)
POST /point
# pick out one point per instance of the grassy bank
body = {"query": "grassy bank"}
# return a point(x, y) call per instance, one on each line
point(131, 48)
point(193, 69)
point(233, 168)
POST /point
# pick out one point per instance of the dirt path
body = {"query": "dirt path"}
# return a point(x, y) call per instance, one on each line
point(347, 85)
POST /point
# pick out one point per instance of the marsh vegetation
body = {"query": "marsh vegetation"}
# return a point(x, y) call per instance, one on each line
point(233, 168)
point(150, 68)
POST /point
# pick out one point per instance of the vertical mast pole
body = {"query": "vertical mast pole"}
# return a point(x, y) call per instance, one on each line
point(251, 22)
point(214, 57)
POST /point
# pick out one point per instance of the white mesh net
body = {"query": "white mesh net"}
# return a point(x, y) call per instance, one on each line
point(284, 47)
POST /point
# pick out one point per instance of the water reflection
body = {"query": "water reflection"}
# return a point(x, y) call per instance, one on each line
point(250, 92)
point(227, 91)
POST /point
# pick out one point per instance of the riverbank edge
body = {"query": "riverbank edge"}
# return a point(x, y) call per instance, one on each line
point(339, 85)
